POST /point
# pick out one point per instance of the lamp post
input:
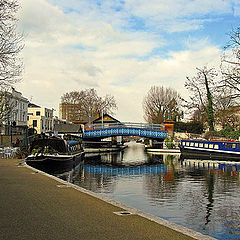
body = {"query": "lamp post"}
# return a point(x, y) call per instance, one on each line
point(102, 118)
point(11, 133)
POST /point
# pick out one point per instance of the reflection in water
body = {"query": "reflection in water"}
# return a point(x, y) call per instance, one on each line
point(199, 194)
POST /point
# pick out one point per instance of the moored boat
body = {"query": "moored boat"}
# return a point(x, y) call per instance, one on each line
point(213, 149)
point(55, 151)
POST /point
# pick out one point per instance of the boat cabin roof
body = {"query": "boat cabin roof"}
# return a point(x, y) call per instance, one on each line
point(56, 143)
point(210, 141)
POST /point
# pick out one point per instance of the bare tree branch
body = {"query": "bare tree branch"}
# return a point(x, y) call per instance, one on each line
point(201, 88)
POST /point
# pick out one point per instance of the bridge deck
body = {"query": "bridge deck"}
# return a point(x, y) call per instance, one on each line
point(125, 129)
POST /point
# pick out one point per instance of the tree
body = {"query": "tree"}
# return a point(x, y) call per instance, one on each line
point(230, 65)
point(201, 89)
point(10, 44)
point(10, 47)
point(86, 103)
point(161, 104)
point(226, 108)
point(6, 106)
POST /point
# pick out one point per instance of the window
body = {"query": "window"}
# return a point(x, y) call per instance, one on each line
point(206, 145)
point(187, 143)
point(216, 146)
point(34, 123)
point(210, 145)
point(196, 144)
point(28, 118)
point(200, 144)
point(234, 145)
point(37, 113)
point(192, 144)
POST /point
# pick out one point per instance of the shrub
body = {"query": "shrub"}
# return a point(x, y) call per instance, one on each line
point(190, 127)
point(169, 142)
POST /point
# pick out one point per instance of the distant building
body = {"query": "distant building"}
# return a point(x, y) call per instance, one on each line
point(40, 118)
point(72, 113)
point(15, 119)
point(105, 119)
point(69, 111)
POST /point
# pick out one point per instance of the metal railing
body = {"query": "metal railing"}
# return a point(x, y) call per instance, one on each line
point(156, 127)
point(8, 152)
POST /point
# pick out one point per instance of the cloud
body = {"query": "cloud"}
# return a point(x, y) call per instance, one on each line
point(73, 45)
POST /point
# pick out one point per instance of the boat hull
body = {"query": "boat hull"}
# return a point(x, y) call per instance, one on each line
point(55, 164)
point(188, 153)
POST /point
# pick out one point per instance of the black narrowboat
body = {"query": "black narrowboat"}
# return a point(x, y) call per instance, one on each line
point(55, 151)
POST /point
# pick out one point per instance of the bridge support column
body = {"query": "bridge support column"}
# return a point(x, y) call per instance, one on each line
point(151, 142)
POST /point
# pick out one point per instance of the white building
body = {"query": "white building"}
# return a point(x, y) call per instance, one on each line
point(20, 108)
point(16, 115)
point(40, 118)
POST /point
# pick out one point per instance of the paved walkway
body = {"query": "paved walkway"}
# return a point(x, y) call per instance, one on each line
point(33, 206)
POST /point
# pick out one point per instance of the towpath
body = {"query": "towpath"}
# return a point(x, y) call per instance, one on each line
point(34, 206)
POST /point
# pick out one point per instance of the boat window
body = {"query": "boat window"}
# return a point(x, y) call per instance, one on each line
point(227, 145)
point(210, 145)
point(216, 146)
point(200, 144)
point(233, 145)
point(206, 145)
point(187, 143)
point(196, 144)
point(183, 143)
point(192, 144)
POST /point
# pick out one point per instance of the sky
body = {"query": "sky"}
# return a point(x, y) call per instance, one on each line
point(119, 47)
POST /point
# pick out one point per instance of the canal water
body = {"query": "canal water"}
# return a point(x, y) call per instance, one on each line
point(199, 194)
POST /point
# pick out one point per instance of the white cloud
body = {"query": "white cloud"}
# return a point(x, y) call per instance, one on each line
point(70, 50)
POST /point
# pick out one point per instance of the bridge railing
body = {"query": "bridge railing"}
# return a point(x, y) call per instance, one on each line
point(157, 127)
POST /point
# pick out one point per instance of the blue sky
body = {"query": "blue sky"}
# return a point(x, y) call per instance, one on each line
point(120, 47)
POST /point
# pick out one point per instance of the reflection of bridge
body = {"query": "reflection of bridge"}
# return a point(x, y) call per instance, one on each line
point(131, 170)
point(155, 131)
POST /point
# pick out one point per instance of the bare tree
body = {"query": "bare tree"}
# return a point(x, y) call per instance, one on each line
point(10, 47)
point(87, 103)
point(230, 64)
point(10, 44)
point(6, 106)
point(226, 107)
point(198, 115)
point(201, 88)
point(161, 104)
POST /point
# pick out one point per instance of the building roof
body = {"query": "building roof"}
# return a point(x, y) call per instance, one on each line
point(32, 105)
point(68, 128)
point(106, 118)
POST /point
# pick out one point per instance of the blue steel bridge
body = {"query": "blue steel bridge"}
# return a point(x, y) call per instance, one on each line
point(154, 131)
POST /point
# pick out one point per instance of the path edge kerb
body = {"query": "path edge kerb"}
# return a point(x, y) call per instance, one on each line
point(173, 226)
